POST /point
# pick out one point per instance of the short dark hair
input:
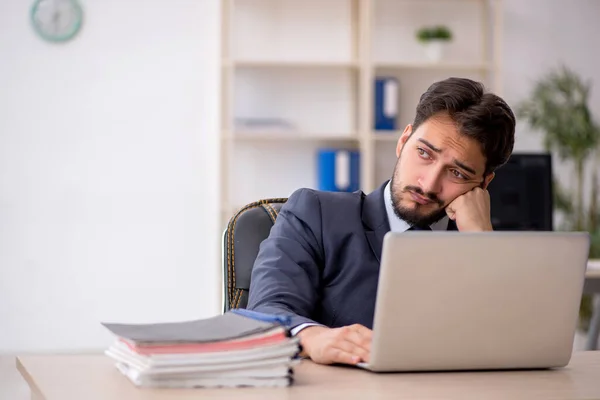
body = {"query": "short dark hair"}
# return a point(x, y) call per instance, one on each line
point(477, 113)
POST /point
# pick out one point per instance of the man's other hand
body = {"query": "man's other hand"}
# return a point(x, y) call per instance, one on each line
point(345, 345)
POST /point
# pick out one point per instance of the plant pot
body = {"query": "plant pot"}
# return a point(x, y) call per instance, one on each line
point(435, 49)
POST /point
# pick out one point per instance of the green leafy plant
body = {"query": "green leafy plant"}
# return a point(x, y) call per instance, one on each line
point(429, 33)
point(558, 106)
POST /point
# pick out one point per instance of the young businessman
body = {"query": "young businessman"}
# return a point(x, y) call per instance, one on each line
point(320, 263)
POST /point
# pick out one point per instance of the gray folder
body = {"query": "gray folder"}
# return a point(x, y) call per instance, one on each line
point(215, 329)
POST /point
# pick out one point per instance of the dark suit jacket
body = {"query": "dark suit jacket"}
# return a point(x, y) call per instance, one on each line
point(320, 262)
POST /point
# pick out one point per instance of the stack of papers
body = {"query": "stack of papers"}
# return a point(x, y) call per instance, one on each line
point(228, 350)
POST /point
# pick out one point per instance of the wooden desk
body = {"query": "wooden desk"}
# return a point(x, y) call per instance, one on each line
point(93, 377)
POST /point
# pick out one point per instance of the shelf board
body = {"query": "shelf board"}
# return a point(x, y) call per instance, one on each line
point(424, 65)
point(289, 137)
point(433, 66)
point(386, 136)
point(290, 64)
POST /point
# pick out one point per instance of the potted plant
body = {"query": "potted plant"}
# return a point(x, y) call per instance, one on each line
point(558, 106)
point(434, 40)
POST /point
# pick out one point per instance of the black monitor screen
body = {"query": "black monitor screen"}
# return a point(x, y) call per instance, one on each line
point(521, 194)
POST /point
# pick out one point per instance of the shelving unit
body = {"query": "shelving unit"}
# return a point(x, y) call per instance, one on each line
point(313, 63)
point(289, 64)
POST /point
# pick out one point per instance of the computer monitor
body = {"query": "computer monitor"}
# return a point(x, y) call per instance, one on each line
point(521, 194)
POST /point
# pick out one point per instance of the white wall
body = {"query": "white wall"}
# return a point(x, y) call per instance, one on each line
point(108, 182)
point(540, 35)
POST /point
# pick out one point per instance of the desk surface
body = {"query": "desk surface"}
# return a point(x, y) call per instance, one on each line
point(93, 377)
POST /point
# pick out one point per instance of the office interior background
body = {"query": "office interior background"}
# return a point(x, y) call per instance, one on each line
point(119, 161)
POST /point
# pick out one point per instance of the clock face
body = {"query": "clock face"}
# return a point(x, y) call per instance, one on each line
point(56, 20)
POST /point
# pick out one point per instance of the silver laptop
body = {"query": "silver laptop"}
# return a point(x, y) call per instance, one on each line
point(477, 301)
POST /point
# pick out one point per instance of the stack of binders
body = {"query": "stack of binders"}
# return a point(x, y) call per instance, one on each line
point(237, 349)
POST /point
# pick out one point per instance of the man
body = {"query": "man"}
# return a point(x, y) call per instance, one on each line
point(320, 263)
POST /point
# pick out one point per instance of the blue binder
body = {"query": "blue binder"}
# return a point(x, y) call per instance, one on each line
point(338, 170)
point(386, 103)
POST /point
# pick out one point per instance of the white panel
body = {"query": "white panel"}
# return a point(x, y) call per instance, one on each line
point(390, 99)
point(108, 183)
point(342, 170)
point(292, 30)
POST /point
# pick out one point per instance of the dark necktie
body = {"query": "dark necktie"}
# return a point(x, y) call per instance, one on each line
point(419, 228)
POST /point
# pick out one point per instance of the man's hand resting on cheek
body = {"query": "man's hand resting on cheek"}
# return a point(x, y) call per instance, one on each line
point(345, 345)
point(471, 211)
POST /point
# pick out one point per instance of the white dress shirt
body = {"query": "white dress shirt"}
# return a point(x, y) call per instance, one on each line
point(396, 225)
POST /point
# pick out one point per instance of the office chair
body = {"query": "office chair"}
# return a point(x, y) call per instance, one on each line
point(241, 241)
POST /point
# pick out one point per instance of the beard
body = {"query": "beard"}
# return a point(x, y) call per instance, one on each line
point(415, 215)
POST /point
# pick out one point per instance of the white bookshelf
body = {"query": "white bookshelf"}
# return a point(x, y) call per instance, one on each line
point(426, 66)
point(312, 64)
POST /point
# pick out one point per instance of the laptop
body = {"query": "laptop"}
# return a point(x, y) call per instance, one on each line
point(477, 301)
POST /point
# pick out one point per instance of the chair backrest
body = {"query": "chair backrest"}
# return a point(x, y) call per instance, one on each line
point(241, 241)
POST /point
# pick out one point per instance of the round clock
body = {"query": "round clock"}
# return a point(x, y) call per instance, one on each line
point(56, 20)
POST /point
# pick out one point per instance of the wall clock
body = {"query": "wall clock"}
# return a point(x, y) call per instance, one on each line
point(56, 20)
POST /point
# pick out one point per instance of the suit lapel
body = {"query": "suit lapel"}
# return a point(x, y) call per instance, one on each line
point(375, 220)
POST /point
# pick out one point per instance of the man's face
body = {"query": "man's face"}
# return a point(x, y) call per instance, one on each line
point(436, 164)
